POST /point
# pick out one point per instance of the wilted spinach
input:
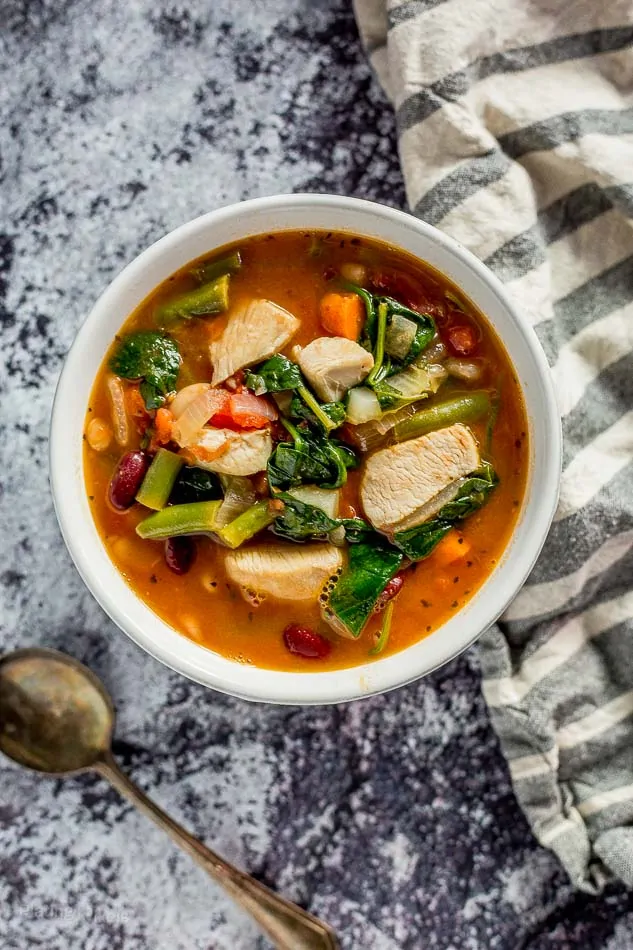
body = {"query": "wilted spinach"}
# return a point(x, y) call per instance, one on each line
point(311, 458)
point(151, 357)
point(418, 543)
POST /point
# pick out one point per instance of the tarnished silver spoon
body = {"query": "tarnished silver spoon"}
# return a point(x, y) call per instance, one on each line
point(57, 718)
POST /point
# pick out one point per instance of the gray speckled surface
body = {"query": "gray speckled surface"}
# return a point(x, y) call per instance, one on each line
point(394, 817)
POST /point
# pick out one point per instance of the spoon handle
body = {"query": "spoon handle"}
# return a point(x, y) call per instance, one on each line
point(289, 927)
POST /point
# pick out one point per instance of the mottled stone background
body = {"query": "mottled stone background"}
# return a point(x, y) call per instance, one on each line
point(394, 817)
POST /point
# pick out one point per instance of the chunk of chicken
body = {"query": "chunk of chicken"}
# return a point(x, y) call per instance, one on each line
point(283, 571)
point(406, 484)
point(253, 333)
point(333, 364)
point(231, 453)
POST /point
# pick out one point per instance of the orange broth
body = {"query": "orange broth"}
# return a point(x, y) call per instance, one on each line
point(294, 269)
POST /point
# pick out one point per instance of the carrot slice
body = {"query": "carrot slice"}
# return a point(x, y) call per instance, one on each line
point(342, 314)
point(453, 547)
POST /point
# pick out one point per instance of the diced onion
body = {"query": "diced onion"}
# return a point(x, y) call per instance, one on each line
point(185, 396)
point(470, 371)
point(362, 406)
point(119, 413)
point(324, 498)
point(416, 380)
point(399, 336)
point(199, 410)
point(238, 496)
point(435, 352)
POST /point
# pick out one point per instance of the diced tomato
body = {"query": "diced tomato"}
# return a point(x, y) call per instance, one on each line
point(135, 405)
point(245, 411)
point(462, 339)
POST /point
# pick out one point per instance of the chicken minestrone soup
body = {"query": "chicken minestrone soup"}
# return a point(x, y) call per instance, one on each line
point(306, 451)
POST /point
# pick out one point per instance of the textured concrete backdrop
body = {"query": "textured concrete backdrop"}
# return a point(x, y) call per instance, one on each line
point(393, 817)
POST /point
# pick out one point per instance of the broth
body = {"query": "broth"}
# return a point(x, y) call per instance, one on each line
point(295, 270)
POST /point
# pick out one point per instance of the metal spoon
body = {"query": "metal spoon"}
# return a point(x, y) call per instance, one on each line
point(57, 718)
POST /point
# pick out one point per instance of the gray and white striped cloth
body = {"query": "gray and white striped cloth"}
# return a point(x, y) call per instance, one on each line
point(515, 123)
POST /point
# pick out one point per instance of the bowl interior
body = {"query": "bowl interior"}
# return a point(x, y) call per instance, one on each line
point(199, 237)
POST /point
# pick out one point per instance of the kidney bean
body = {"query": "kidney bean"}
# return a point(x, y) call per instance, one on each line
point(127, 479)
point(393, 587)
point(305, 642)
point(180, 553)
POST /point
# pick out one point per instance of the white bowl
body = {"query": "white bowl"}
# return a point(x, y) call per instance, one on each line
point(234, 223)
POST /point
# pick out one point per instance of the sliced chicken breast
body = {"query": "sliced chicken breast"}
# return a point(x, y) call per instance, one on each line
point(252, 334)
point(283, 571)
point(333, 364)
point(231, 453)
point(405, 485)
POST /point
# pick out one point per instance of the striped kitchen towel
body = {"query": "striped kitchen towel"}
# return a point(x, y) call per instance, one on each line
point(515, 124)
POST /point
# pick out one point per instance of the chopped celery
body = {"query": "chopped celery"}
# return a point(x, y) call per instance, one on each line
point(254, 519)
point(210, 270)
point(385, 630)
point(160, 479)
point(464, 408)
point(210, 298)
point(197, 517)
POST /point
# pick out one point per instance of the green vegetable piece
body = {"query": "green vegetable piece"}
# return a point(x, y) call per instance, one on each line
point(311, 458)
point(211, 270)
point(335, 411)
point(370, 568)
point(369, 330)
point(300, 521)
point(203, 301)
point(151, 357)
point(159, 479)
point(418, 543)
point(466, 408)
point(379, 353)
point(195, 484)
point(385, 630)
point(276, 375)
point(198, 517)
point(279, 374)
point(249, 523)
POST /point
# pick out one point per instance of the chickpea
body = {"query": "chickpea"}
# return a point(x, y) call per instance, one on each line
point(98, 434)
point(354, 272)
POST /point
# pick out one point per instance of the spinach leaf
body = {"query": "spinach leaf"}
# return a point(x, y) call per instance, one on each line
point(279, 374)
point(335, 411)
point(301, 521)
point(370, 567)
point(418, 543)
point(151, 357)
point(311, 458)
point(276, 375)
point(195, 484)
point(380, 311)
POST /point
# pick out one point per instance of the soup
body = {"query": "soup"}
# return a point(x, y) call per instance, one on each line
point(306, 451)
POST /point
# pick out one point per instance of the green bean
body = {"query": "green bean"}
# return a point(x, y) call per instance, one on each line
point(196, 517)
point(208, 299)
point(210, 270)
point(465, 408)
point(159, 480)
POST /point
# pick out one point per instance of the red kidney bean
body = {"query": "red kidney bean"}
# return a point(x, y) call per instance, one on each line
point(305, 642)
point(462, 340)
point(393, 587)
point(180, 553)
point(127, 479)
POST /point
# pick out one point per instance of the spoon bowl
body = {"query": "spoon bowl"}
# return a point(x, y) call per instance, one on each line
point(57, 718)
point(55, 715)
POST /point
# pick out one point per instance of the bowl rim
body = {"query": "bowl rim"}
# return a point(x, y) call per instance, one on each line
point(201, 664)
